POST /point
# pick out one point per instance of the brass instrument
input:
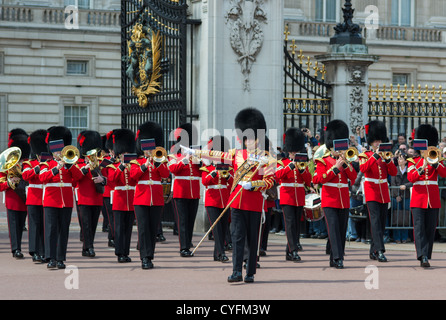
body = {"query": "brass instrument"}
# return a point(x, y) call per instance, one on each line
point(9, 162)
point(94, 158)
point(159, 154)
point(386, 155)
point(223, 173)
point(432, 155)
point(70, 154)
point(351, 154)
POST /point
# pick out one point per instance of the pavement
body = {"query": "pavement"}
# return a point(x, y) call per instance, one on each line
point(199, 278)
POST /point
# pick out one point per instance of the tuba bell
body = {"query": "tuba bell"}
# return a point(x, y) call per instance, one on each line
point(432, 155)
point(9, 162)
point(70, 154)
point(159, 154)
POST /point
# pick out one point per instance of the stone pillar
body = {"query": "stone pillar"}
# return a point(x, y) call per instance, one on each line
point(347, 61)
point(238, 63)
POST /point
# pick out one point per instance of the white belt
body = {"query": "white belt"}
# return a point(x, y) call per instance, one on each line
point(293, 185)
point(149, 182)
point(377, 181)
point(125, 188)
point(217, 186)
point(336, 185)
point(37, 186)
point(187, 178)
point(58, 184)
point(425, 182)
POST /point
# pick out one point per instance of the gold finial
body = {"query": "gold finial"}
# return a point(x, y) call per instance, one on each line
point(293, 47)
point(323, 71)
point(309, 64)
point(405, 91)
point(440, 90)
point(316, 69)
point(300, 56)
point(286, 32)
point(370, 91)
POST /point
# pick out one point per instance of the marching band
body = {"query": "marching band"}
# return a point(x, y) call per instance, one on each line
point(123, 173)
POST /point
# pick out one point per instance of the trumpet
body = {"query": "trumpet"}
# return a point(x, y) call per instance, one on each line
point(351, 154)
point(9, 162)
point(159, 154)
point(70, 154)
point(432, 155)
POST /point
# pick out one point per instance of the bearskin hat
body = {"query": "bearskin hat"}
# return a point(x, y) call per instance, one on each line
point(20, 141)
point(375, 130)
point(186, 134)
point(59, 133)
point(149, 130)
point(428, 132)
point(108, 141)
point(335, 129)
point(123, 141)
point(37, 142)
point(88, 140)
point(294, 140)
point(250, 121)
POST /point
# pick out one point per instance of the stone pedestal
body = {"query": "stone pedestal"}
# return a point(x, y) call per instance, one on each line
point(237, 63)
point(347, 72)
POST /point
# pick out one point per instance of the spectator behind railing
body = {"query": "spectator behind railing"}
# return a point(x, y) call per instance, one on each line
point(400, 193)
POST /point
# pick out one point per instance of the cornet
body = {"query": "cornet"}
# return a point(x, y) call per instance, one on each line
point(70, 154)
point(159, 154)
point(351, 154)
point(386, 155)
point(432, 155)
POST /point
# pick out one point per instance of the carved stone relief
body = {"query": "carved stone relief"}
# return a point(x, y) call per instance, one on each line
point(356, 106)
point(245, 18)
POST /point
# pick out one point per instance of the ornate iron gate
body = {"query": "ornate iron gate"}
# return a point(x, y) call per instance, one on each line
point(306, 103)
point(153, 71)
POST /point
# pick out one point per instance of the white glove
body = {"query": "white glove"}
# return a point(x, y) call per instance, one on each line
point(187, 151)
point(247, 185)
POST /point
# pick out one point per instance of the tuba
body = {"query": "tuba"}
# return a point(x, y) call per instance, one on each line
point(9, 162)
point(432, 155)
point(70, 154)
point(159, 154)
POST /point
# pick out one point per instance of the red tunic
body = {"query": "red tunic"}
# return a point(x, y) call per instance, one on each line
point(86, 190)
point(30, 173)
point(110, 185)
point(187, 176)
point(292, 190)
point(376, 187)
point(12, 200)
point(335, 191)
point(149, 190)
point(425, 191)
point(58, 185)
point(124, 191)
point(217, 188)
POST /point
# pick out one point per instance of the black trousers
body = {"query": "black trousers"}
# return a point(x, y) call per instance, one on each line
point(336, 220)
point(292, 216)
point(89, 219)
point(265, 230)
point(219, 230)
point(57, 226)
point(107, 208)
point(424, 226)
point(245, 226)
point(378, 214)
point(36, 230)
point(123, 231)
point(148, 219)
point(186, 212)
point(16, 223)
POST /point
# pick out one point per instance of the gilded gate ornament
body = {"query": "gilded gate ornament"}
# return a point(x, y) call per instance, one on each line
point(144, 61)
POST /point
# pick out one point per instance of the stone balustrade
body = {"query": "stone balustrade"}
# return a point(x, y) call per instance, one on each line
point(384, 33)
point(55, 17)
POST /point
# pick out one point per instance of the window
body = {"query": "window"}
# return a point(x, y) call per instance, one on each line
point(402, 11)
point(76, 119)
point(327, 10)
point(400, 78)
point(77, 67)
point(81, 4)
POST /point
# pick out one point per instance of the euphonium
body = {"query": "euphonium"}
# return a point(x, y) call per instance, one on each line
point(70, 154)
point(432, 155)
point(351, 154)
point(9, 162)
point(159, 154)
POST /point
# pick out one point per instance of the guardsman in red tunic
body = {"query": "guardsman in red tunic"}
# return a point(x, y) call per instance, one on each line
point(425, 200)
point(376, 187)
point(30, 173)
point(186, 186)
point(147, 171)
point(57, 198)
point(123, 193)
point(13, 186)
point(292, 180)
point(247, 198)
point(217, 180)
point(334, 173)
point(109, 186)
point(90, 187)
